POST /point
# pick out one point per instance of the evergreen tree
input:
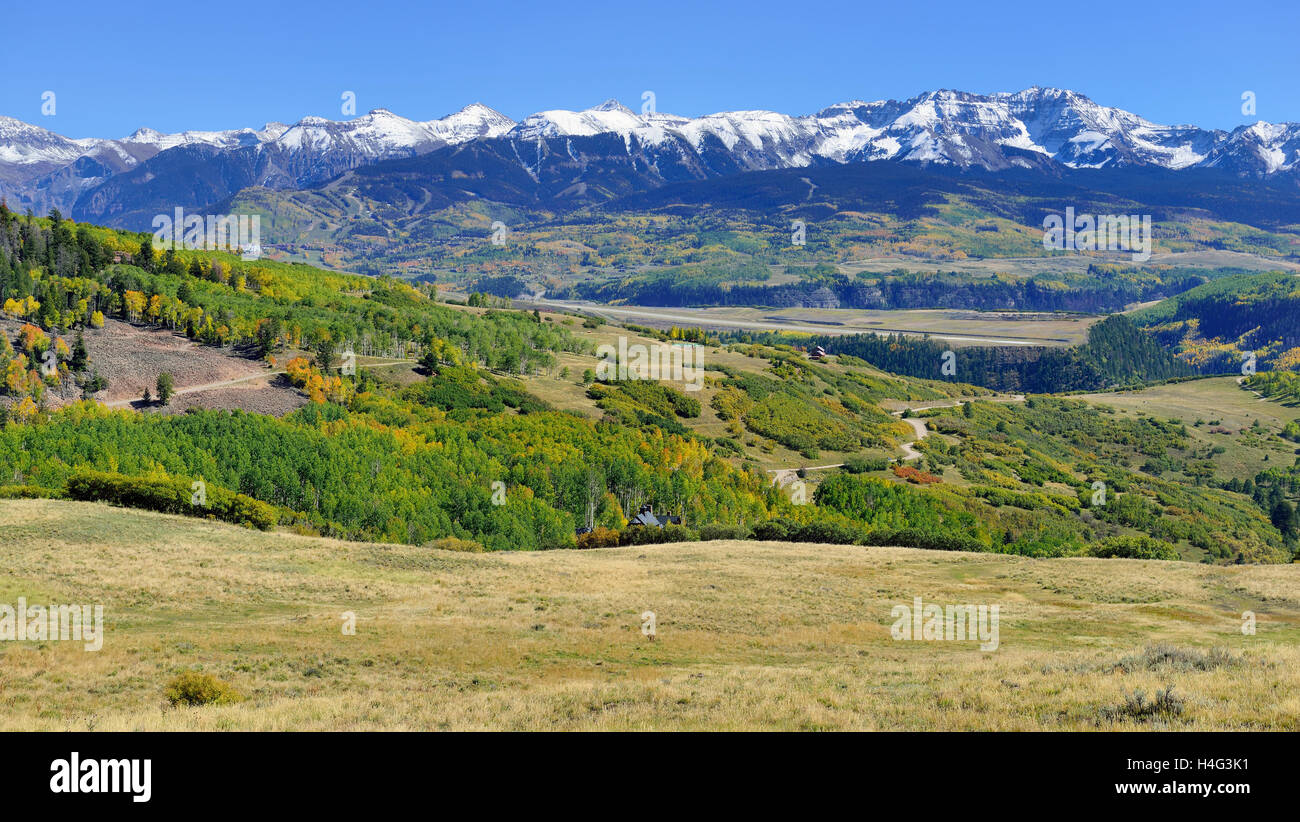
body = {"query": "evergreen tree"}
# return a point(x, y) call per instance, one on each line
point(165, 388)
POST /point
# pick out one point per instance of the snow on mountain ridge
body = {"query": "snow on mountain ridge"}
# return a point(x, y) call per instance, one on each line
point(25, 144)
point(945, 126)
point(218, 139)
point(936, 126)
point(381, 133)
point(939, 126)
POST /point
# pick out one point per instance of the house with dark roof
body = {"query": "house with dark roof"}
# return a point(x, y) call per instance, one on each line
point(645, 517)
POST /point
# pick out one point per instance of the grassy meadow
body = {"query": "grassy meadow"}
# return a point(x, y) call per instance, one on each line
point(1219, 414)
point(749, 635)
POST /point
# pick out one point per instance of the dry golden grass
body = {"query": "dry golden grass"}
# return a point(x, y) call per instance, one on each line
point(1218, 398)
point(750, 635)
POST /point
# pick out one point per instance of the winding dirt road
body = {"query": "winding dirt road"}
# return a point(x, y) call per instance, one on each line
point(784, 476)
point(922, 430)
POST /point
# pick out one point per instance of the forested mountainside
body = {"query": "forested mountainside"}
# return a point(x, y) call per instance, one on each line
point(1215, 325)
point(460, 448)
point(1102, 288)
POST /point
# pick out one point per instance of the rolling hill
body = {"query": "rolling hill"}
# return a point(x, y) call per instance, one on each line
point(748, 635)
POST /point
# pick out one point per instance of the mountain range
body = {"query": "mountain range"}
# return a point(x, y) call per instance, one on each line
point(561, 156)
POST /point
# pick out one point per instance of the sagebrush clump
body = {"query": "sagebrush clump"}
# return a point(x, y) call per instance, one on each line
point(194, 688)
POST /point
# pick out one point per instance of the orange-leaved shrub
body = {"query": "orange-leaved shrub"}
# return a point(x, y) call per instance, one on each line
point(599, 538)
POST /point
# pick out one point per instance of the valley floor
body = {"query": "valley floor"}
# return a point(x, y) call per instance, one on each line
point(957, 327)
point(749, 635)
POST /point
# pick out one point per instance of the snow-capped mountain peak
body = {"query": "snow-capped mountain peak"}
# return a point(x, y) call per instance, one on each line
point(613, 105)
point(25, 144)
point(610, 117)
point(475, 121)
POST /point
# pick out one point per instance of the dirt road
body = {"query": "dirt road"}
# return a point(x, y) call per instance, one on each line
point(784, 476)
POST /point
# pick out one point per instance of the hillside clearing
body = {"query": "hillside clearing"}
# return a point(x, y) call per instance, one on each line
point(131, 357)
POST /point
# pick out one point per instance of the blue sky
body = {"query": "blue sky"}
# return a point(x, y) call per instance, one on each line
point(118, 66)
